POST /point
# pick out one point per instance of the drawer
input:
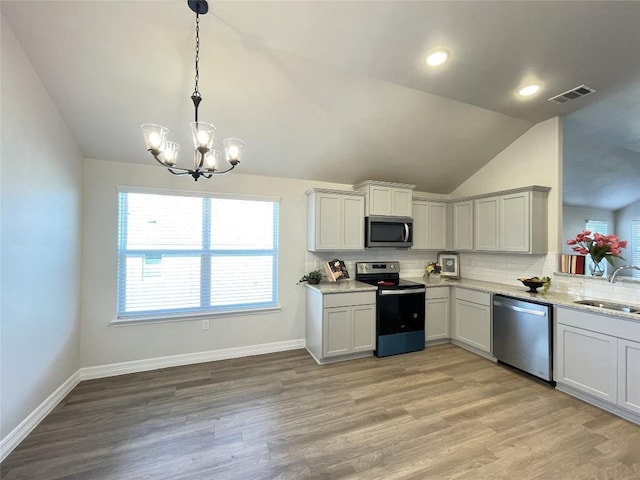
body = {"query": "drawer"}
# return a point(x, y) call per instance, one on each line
point(349, 299)
point(473, 296)
point(615, 327)
point(437, 292)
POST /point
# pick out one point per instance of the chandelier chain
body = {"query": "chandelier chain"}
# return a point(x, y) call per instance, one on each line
point(195, 91)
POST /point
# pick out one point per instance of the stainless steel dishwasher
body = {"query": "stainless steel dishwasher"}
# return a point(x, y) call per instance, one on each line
point(523, 336)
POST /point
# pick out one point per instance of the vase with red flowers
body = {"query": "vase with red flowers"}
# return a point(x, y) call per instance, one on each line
point(599, 247)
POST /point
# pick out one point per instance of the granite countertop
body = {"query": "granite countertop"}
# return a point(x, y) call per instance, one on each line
point(552, 296)
point(342, 286)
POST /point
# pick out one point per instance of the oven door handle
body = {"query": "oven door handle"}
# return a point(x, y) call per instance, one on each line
point(407, 291)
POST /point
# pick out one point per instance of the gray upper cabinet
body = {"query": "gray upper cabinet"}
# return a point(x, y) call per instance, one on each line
point(335, 220)
point(463, 225)
point(386, 199)
point(512, 222)
point(429, 225)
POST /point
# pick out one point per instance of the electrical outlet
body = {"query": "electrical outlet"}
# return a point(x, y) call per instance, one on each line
point(205, 324)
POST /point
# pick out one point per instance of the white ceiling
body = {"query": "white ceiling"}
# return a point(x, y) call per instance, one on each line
point(333, 90)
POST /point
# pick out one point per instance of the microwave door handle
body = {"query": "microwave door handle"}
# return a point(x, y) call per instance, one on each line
point(406, 232)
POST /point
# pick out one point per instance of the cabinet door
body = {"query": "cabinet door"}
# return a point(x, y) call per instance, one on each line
point(629, 375)
point(337, 331)
point(437, 319)
point(463, 226)
point(401, 202)
point(380, 200)
point(486, 224)
point(328, 221)
point(352, 237)
point(436, 226)
point(363, 328)
point(336, 222)
point(514, 222)
point(473, 325)
point(420, 228)
point(587, 361)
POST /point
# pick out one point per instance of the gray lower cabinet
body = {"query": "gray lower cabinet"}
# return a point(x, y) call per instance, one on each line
point(472, 320)
point(437, 315)
point(597, 359)
point(340, 326)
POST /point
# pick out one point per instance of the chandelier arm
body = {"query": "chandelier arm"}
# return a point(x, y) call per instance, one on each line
point(180, 170)
point(201, 162)
point(225, 171)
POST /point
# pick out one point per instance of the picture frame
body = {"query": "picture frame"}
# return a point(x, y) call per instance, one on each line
point(450, 263)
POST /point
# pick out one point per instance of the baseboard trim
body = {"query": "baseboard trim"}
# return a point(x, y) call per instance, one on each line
point(122, 368)
point(18, 434)
point(475, 350)
point(596, 402)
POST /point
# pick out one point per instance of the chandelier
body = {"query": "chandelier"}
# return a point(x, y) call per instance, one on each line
point(207, 162)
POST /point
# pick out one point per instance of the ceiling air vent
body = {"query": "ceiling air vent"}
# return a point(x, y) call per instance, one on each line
point(572, 94)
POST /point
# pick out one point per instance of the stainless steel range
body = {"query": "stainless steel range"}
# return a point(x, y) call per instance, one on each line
point(400, 306)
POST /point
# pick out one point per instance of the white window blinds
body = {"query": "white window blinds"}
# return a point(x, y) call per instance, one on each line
point(185, 255)
point(601, 227)
point(635, 246)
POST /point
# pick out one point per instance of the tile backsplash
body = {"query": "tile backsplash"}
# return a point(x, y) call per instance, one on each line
point(492, 267)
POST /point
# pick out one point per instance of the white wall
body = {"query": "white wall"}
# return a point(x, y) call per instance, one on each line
point(40, 247)
point(535, 158)
point(104, 344)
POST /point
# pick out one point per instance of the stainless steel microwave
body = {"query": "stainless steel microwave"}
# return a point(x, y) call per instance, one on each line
point(388, 232)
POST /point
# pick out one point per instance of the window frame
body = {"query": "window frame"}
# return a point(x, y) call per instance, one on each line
point(206, 311)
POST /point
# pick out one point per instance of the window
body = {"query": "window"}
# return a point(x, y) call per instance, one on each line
point(186, 255)
point(601, 227)
point(635, 246)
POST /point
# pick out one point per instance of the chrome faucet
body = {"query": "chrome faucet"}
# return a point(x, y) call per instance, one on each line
point(612, 277)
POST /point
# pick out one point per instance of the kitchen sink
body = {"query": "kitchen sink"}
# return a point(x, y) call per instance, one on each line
point(619, 307)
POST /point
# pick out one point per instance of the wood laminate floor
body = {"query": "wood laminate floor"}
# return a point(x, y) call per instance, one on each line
point(443, 413)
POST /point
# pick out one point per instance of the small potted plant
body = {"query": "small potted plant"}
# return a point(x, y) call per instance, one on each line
point(312, 278)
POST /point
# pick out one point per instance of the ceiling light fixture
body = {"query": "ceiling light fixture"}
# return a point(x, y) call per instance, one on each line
point(206, 160)
point(437, 57)
point(529, 90)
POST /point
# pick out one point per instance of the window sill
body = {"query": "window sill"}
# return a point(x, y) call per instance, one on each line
point(123, 322)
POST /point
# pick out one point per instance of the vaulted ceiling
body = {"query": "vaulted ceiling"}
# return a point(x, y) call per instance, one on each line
point(334, 90)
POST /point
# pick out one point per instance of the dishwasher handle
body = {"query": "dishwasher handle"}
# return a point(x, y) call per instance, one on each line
point(515, 308)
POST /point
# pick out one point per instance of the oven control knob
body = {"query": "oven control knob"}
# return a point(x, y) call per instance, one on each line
point(415, 315)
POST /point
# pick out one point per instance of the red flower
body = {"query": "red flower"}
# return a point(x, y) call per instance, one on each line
point(598, 247)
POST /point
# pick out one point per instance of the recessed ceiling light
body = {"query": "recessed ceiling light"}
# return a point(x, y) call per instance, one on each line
point(437, 57)
point(529, 90)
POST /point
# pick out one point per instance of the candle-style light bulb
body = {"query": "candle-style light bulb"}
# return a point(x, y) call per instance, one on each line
point(203, 138)
point(233, 152)
point(154, 140)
